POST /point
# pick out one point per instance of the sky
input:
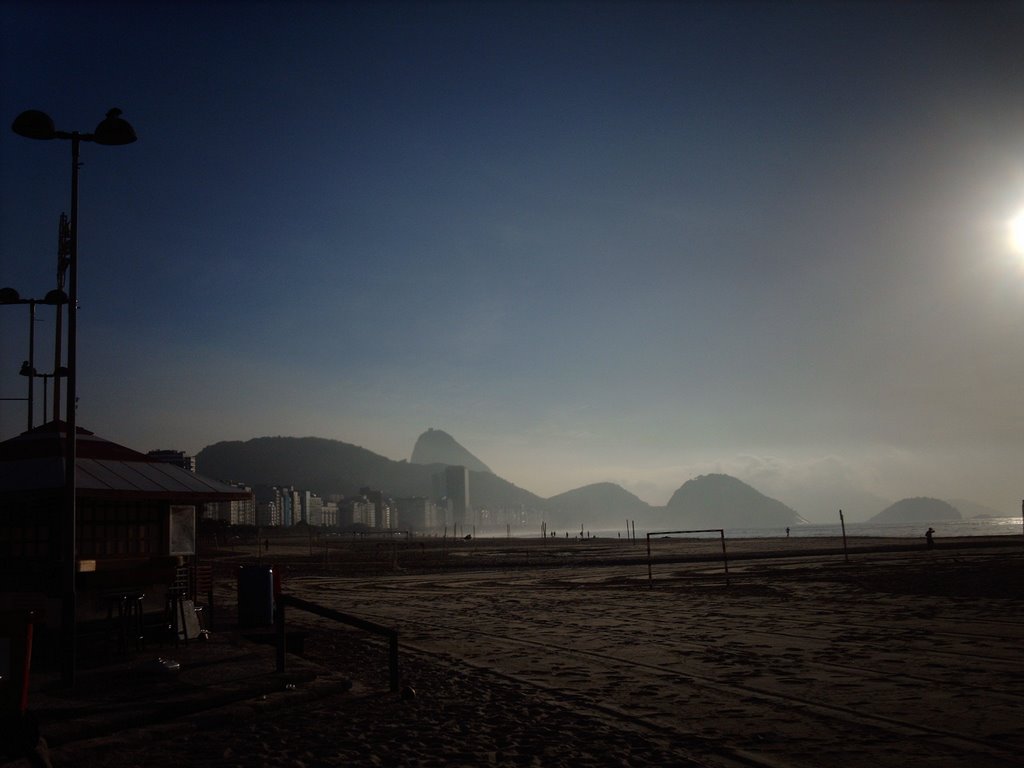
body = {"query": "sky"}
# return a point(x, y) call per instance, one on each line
point(624, 242)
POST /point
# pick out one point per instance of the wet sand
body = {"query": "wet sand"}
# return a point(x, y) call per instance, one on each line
point(569, 654)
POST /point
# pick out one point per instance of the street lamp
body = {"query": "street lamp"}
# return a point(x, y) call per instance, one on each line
point(112, 131)
point(55, 297)
point(32, 373)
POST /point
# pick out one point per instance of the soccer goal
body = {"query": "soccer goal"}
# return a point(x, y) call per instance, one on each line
point(719, 531)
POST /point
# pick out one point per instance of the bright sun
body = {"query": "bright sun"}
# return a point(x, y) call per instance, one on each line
point(1017, 232)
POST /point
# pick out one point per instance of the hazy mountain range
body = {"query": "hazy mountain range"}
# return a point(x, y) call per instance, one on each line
point(918, 509)
point(435, 446)
point(334, 467)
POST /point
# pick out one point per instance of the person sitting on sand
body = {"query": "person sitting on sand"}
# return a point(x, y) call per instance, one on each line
point(928, 540)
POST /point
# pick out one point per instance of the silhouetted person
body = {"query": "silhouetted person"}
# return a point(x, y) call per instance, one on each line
point(787, 532)
point(928, 538)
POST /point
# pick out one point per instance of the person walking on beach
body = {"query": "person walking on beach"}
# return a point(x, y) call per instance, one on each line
point(928, 540)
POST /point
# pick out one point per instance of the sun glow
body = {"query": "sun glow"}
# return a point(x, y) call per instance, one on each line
point(1016, 227)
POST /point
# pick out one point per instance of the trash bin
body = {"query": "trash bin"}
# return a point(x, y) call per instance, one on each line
point(15, 660)
point(255, 596)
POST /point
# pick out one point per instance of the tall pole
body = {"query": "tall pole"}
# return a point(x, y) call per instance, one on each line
point(31, 361)
point(63, 255)
point(842, 522)
point(112, 131)
point(70, 619)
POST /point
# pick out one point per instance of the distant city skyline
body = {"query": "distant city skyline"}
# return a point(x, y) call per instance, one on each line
point(623, 242)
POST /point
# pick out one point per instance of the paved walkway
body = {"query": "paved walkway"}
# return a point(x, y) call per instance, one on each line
point(222, 678)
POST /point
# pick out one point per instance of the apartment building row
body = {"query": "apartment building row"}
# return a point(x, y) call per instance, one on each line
point(286, 506)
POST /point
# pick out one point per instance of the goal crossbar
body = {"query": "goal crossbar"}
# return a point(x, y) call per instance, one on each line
point(719, 531)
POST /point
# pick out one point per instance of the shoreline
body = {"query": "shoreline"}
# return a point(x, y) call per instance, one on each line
point(377, 557)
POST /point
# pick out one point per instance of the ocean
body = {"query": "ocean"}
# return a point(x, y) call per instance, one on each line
point(988, 526)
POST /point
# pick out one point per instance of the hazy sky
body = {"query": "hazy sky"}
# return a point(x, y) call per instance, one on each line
point(617, 242)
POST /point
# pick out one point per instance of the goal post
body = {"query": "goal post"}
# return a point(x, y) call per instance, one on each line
point(719, 531)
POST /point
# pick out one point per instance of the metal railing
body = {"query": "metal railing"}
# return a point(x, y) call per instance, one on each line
point(283, 601)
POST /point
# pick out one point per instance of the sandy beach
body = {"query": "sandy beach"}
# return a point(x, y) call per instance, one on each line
point(532, 653)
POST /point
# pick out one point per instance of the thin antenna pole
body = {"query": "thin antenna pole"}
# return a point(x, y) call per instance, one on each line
point(842, 522)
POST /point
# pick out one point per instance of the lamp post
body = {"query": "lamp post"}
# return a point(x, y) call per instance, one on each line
point(28, 370)
point(55, 297)
point(112, 131)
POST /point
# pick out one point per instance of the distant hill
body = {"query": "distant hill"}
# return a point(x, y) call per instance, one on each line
point(969, 509)
point(920, 509)
point(435, 446)
point(593, 503)
point(325, 466)
point(333, 467)
point(722, 501)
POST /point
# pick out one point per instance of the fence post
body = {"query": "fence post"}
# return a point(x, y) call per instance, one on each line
point(842, 522)
point(393, 661)
point(279, 622)
point(650, 573)
point(725, 557)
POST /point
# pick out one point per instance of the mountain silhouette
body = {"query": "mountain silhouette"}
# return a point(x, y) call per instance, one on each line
point(969, 509)
point(600, 501)
point(722, 501)
point(435, 446)
point(333, 467)
point(920, 509)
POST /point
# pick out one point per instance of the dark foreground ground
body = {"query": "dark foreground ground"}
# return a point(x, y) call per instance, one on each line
point(516, 654)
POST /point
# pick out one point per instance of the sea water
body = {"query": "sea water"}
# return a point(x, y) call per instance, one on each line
point(978, 526)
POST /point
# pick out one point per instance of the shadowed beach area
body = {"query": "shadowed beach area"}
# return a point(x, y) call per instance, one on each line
point(570, 653)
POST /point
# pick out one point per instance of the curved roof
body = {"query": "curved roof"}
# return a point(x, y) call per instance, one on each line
point(34, 462)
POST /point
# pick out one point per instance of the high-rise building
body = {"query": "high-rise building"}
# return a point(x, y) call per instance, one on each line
point(330, 514)
point(311, 509)
point(385, 516)
point(235, 512)
point(177, 458)
point(418, 513)
point(456, 481)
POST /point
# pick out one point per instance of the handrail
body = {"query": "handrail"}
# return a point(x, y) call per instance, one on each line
point(283, 600)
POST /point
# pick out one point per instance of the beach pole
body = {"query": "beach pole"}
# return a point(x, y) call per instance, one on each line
point(842, 522)
point(650, 573)
point(280, 633)
point(725, 557)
